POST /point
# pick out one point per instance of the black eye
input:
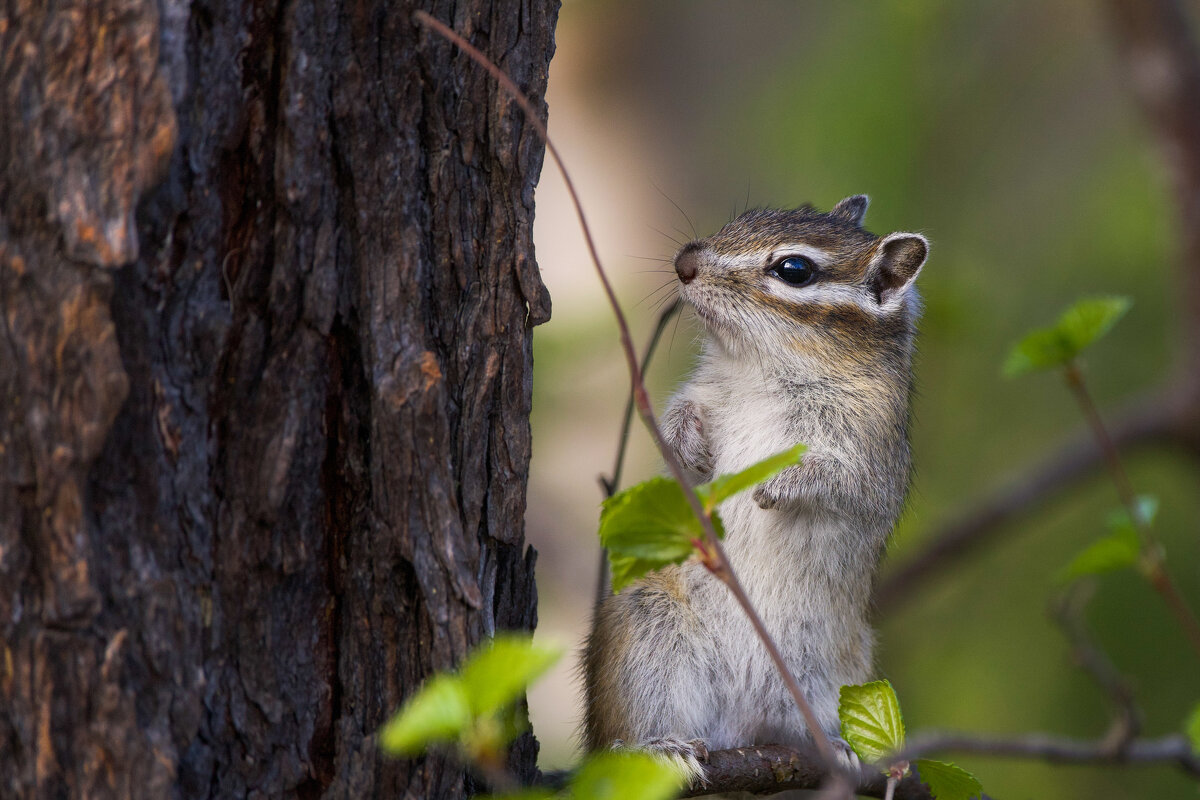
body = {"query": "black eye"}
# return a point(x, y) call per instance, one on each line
point(796, 270)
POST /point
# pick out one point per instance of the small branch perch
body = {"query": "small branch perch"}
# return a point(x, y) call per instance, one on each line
point(773, 768)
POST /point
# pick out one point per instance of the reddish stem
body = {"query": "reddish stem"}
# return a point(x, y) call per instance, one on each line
point(724, 570)
point(1156, 570)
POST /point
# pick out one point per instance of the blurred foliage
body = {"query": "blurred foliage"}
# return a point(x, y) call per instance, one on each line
point(1003, 132)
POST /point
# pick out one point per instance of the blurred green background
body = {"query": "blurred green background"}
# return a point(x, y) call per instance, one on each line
point(1005, 133)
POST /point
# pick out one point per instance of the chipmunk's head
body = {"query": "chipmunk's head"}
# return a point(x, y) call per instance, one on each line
point(804, 281)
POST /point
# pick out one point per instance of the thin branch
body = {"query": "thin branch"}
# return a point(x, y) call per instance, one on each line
point(1174, 749)
point(773, 768)
point(1152, 563)
point(610, 485)
point(1154, 422)
point(1068, 612)
point(713, 554)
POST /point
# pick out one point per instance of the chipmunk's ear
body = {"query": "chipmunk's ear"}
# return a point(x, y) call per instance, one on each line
point(898, 260)
point(852, 209)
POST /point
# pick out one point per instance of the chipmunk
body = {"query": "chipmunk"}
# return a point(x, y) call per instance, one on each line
point(810, 322)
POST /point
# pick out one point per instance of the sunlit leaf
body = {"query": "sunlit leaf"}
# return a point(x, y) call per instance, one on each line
point(438, 712)
point(948, 781)
point(871, 720)
point(647, 527)
point(616, 775)
point(500, 672)
point(1077, 328)
point(725, 486)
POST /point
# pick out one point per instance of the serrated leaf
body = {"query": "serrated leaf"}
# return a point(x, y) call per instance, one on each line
point(621, 775)
point(1077, 328)
point(1118, 550)
point(647, 527)
point(500, 672)
point(1192, 729)
point(438, 712)
point(948, 781)
point(725, 486)
point(871, 720)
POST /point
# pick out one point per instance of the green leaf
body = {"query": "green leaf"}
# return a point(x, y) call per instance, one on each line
point(646, 527)
point(871, 720)
point(725, 486)
point(624, 570)
point(1077, 328)
point(500, 672)
point(1144, 505)
point(1118, 550)
point(948, 781)
point(438, 712)
point(618, 775)
point(1122, 547)
point(1192, 729)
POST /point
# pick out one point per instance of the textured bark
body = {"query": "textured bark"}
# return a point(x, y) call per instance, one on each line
point(264, 445)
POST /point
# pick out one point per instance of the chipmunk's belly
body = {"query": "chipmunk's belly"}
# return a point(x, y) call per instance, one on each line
point(788, 564)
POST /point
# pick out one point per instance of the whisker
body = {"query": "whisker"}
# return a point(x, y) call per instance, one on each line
point(654, 292)
point(677, 208)
point(666, 236)
point(662, 301)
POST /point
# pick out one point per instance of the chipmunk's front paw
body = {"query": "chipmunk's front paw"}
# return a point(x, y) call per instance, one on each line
point(683, 427)
point(685, 756)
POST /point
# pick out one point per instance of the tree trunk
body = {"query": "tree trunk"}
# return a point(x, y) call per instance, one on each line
point(267, 282)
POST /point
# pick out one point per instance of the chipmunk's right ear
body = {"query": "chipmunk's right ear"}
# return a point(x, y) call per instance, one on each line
point(898, 259)
point(852, 209)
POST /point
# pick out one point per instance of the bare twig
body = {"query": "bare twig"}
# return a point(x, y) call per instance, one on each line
point(1174, 749)
point(1152, 564)
point(1153, 422)
point(713, 555)
point(610, 485)
point(774, 768)
point(1067, 611)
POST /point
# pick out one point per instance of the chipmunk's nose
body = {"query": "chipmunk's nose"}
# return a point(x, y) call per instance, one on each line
point(687, 263)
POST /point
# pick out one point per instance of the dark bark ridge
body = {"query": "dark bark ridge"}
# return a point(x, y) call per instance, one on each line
point(263, 454)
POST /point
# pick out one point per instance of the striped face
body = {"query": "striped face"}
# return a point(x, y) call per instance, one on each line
point(804, 280)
